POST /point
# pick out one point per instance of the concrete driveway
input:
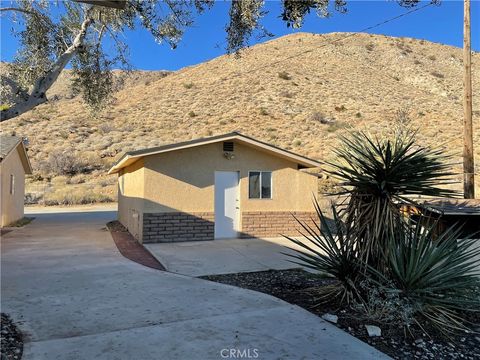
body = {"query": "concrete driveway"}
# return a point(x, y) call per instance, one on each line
point(198, 258)
point(75, 297)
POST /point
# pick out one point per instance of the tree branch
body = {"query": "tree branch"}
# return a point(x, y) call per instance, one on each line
point(25, 11)
point(37, 94)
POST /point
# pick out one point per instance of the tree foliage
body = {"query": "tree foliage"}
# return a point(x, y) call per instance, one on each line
point(53, 34)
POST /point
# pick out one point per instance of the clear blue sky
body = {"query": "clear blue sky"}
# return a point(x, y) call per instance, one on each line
point(206, 40)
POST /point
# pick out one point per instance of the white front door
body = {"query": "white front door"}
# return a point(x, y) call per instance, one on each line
point(227, 204)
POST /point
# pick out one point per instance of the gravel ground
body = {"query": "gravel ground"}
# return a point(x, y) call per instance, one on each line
point(296, 287)
point(11, 340)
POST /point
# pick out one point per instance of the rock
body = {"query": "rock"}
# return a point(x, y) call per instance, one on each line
point(330, 318)
point(373, 330)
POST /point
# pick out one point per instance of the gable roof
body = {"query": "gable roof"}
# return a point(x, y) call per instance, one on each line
point(130, 157)
point(8, 144)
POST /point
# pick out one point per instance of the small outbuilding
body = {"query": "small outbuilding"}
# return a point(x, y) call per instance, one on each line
point(226, 186)
point(14, 164)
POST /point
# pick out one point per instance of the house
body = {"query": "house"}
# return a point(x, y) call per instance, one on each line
point(448, 212)
point(225, 186)
point(14, 164)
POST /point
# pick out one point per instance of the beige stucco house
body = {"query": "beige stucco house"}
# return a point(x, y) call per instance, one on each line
point(224, 186)
point(14, 164)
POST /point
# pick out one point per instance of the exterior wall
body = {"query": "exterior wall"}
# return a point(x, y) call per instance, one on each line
point(274, 223)
point(11, 205)
point(178, 193)
point(174, 227)
point(183, 180)
point(131, 198)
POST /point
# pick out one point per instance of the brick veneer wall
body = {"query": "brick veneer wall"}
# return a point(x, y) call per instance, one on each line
point(177, 226)
point(274, 223)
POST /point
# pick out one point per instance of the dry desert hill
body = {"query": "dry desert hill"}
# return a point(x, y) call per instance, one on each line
point(299, 92)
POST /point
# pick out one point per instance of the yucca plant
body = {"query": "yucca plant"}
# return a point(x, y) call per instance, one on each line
point(331, 251)
point(439, 274)
point(377, 175)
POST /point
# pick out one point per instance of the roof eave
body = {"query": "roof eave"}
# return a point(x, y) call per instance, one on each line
point(301, 160)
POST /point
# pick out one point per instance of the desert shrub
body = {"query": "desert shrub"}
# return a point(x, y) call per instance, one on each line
point(340, 108)
point(108, 182)
point(437, 74)
point(297, 142)
point(263, 111)
point(381, 305)
point(337, 125)
point(36, 177)
point(105, 128)
point(331, 251)
point(67, 196)
point(63, 163)
point(358, 115)
point(321, 118)
point(432, 57)
point(188, 85)
point(77, 179)
point(192, 114)
point(429, 277)
point(287, 94)
point(370, 47)
point(438, 274)
point(379, 174)
point(284, 75)
point(32, 198)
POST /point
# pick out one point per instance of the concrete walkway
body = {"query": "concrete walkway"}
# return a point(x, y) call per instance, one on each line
point(198, 258)
point(75, 297)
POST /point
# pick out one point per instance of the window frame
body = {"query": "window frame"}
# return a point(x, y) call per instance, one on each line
point(260, 183)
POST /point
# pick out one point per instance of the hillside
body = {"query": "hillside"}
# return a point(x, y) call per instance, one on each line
point(299, 92)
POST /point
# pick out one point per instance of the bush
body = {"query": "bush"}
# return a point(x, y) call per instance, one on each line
point(321, 118)
point(331, 251)
point(284, 75)
point(65, 163)
point(429, 276)
point(75, 197)
point(378, 174)
point(336, 126)
point(438, 274)
point(437, 75)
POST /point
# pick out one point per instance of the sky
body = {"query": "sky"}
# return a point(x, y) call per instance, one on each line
point(206, 39)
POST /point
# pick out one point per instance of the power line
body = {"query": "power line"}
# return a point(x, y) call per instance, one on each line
point(337, 40)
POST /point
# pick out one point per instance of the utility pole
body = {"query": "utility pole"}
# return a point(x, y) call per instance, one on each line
point(468, 163)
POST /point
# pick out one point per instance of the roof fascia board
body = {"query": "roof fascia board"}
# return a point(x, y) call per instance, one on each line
point(286, 154)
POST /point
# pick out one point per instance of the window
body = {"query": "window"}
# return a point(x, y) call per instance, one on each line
point(260, 184)
point(12, 184)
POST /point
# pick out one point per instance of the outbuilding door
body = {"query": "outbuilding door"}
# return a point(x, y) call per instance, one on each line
point(227, 204)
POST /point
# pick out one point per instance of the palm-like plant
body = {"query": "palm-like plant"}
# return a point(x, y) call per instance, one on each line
point(438, 273)
point(331, 251)
point(380, 174)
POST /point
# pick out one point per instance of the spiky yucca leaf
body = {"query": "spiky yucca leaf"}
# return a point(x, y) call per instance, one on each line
point(439, 273)
point(378, 175)
point(330, 251)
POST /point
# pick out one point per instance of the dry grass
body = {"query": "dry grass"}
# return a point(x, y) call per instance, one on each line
point(357, 83)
